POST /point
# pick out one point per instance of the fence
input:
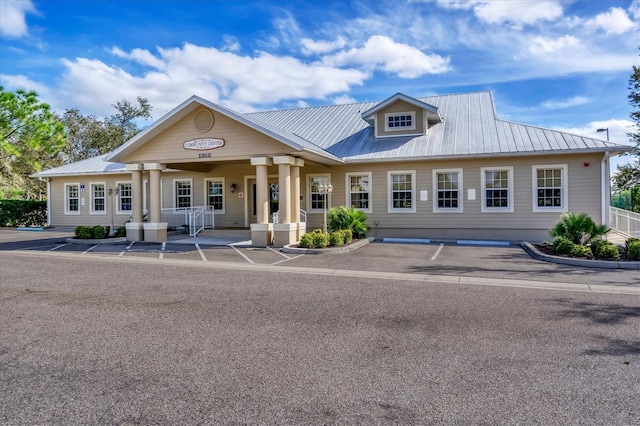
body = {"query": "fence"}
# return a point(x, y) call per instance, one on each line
point(624, 221)
point(194, 219)
point(303, 216)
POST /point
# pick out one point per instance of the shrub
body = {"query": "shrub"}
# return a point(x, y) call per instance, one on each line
point(121, 231)
point(578, 228)
point(609, 252)
point(100, 231)
point(562, 246)
point(23, 213)
point(336, 239)
point(342, 217)
point(631, 240)
point(596, 246)
point(83, 232)
point(581, 251)
point(306, 240)
point(320, 239)
point(348, 236)
point(633, 250)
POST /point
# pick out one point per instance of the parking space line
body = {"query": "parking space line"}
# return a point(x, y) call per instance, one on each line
point(279, 252)
point(57, 247)
point(90, 248)
point(204, 259)
point(127, 248)
point(242, 254)
point(162, 251)
point(287, 259)
point(437, 252)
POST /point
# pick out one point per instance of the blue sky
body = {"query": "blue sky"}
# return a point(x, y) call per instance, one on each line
point(561, 64)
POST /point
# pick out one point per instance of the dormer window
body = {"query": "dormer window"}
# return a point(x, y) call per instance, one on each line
point(398, 121)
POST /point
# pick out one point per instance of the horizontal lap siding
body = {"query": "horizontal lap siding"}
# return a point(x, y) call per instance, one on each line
point(239, 141)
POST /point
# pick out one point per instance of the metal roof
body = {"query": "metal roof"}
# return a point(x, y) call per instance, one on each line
point(338, 133)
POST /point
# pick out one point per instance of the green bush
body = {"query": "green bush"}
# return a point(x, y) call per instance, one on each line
point(100, 232)
point(121, 231)
point(348, 236)
point(306, 240)
point(581, 251)
point(83, 232)
point(23, 213)
point(609, 252)
point(596, 246)
point(633, 250)
point(342, 217)
point(629, 241)
point(562, 246)
point(578, 228)
point(336, 239)
point(320, 239)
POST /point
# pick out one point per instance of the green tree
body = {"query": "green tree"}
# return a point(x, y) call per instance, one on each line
point(30, 138)
point(90, 136)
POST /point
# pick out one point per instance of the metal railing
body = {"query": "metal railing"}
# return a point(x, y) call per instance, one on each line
point(194, 219)
point(624, 221)
point(276, 216)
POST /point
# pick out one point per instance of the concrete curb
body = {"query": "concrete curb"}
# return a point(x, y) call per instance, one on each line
point(605, 264)
point(96, 240)
point(328, 250)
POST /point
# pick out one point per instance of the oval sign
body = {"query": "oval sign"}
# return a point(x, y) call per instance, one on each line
point(202, 144)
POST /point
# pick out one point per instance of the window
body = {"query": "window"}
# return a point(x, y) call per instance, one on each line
point(124, 197)
point(182, 193)
point(72, 198)
point(98, 198)
point(359, 191)
point(399, 121)
point(550, 188)
point(447, 191)
point(497, 189)
point(401, 191)
point(315, 197)
point(215, 194)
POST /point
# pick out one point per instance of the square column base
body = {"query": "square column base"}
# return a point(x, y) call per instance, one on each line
point(155, 232)
point(135, 231)
point(284, 234)
point(261, 234)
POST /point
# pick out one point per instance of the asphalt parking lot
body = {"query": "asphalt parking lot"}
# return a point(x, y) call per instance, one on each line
point(499, 262)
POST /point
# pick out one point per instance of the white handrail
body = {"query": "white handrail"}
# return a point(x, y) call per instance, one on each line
point(624, 221)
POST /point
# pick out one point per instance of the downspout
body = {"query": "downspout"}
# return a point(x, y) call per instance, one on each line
point(606, 188)
point(48, 180)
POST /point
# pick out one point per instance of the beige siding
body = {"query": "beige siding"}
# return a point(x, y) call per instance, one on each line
point(239, 140)
point(584, 195)
point(400, 106)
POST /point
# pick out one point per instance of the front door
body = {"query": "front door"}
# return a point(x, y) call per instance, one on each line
point(274, 198)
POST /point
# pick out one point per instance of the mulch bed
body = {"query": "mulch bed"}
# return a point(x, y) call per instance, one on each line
point(548, 249)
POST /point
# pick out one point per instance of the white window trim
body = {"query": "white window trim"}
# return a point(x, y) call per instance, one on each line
point(390, 208)
point(66, 199)
point(460, 208)
point(106, 200)
point(175, 195)
point(483, 178)
point(117, 197)
point(224, 193)
point(308, 191)
point(564, 188)
point(347, 188)
point(399, 129)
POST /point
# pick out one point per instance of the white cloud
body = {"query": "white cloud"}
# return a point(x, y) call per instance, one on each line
point(14, 82)
point(230, 44)
point(13, 21)
point(141, 56)
point(565, 103)
point(311, 47)
point(382, 53)
point(343, 99)
point(518, 13)
point(544, 45)
point(634, 9)
point(614, 21)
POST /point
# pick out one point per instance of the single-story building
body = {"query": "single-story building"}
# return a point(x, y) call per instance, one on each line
point(439, 167)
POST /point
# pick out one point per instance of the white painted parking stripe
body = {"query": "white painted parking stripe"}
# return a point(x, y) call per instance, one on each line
point(162, 250)
point(204, 259)
point(287, 259)
point(57, 247)
point(434, 257)
point(89, 249)
point(279, 252)
point(243, 255)
point(128, 247)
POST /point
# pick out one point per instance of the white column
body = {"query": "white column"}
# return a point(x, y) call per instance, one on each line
point(262, 232)
point(136, 192)
point(154, 230)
